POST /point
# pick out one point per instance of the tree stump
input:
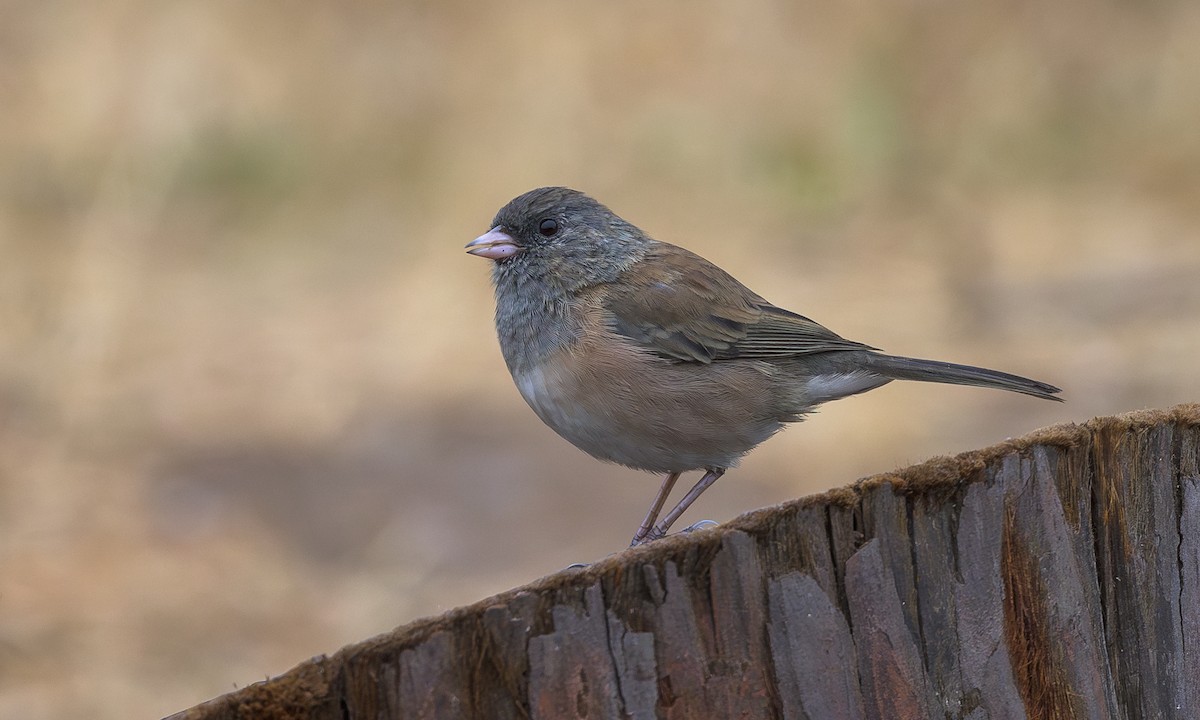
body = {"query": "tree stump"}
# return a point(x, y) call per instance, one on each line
point(1052, 576)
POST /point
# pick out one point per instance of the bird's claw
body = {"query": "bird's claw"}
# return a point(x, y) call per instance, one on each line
point(656, 534)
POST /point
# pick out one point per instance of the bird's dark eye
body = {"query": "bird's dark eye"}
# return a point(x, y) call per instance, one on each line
point(548, 227)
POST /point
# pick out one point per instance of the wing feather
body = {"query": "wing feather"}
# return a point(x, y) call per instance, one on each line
point(682, 307)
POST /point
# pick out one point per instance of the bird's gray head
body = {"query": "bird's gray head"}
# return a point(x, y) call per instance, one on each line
point(559, 237)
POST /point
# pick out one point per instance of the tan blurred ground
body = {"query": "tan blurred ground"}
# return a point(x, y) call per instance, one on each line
point(251, 405)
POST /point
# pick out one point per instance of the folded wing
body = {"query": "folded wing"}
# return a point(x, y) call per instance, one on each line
point(682, 307)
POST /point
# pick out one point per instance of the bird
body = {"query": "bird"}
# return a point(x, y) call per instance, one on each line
point(644, 354)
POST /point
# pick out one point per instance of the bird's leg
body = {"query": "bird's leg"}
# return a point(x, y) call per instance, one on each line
point(710, 477)
point(663, 492)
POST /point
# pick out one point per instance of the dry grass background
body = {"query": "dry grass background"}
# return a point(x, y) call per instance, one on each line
point(251, 404)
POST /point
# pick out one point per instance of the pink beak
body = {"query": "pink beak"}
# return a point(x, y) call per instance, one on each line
point(495, 244)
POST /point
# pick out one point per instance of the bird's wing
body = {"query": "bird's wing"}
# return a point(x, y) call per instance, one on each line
point(682, 307)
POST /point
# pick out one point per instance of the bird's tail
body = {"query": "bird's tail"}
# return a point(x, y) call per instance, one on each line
point(904, 368)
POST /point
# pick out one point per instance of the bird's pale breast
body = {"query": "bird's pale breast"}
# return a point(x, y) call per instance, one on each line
point(621, 404)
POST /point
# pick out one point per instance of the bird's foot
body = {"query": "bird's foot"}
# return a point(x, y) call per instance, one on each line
point(657, 534)
point(646, 537)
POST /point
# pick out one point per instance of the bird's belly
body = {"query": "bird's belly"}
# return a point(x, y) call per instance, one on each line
point(666, 418)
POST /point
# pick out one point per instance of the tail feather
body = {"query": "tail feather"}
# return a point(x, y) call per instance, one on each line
point(904, 368)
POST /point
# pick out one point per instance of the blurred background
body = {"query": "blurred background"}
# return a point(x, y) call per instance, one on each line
point(252, 408)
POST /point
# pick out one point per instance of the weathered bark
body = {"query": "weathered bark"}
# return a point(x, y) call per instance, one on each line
point(1053, 576)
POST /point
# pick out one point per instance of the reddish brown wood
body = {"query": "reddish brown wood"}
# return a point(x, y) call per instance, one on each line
point(1054, 576)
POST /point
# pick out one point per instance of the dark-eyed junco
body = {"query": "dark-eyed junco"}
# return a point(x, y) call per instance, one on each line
point(645, 354)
